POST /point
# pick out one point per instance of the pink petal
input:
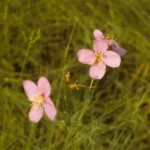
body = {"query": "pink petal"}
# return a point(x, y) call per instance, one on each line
point(35, 114)
point(115, 44)
point(117, 48)
point(44, 86)
point(120, 51)
point(111, 42)
point(86, 56)
point(30, 88)
point(111, 59)
point(98, 34)
point(100, 45)
point(50, 109)
point(97, 71)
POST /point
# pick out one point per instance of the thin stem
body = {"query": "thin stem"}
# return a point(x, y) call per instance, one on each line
point(92, 81)
point(84, 86)
point(34, 36)
point(24, 62)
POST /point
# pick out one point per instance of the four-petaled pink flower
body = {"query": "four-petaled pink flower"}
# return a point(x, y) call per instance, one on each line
point(98, 58)
point(39, 96)
point(114, 45)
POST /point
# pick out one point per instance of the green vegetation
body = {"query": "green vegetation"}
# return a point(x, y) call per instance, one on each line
point(41, 38)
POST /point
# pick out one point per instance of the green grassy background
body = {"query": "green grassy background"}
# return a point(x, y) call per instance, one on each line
point(116, 117)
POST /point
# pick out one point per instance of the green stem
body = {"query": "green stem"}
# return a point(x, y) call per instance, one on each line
point(34, 36)
point(92, 81)
point(84, 86)
point(24, 62)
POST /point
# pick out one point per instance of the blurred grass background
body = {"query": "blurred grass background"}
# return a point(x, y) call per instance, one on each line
point(117, 117)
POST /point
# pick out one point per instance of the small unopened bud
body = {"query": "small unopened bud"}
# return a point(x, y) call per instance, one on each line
point(74, 86)
point(67, 76)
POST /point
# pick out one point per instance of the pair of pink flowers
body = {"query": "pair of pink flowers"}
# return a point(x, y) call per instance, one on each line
point(100, 56)
point(39, 96)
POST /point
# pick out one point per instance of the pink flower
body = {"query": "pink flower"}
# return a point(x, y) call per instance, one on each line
point(98, 58)
point(39, 96)
point(114, 45)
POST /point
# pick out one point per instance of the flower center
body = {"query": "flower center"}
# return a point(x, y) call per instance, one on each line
point(38, 100)
point(99, 57)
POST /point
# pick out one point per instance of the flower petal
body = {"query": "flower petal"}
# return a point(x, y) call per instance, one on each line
point(50, 109)
point(98, 34)
point(97, 71)
point(86, 56)
point(100, 45)
point(35, 114)
point(30, 89)
point(117, 48)
point(44, 86)
point(112, 59)
point(120, 51)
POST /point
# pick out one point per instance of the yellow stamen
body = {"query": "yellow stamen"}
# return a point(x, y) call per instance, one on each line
point(38, 100)
point(99, 57)
point(110, 36)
